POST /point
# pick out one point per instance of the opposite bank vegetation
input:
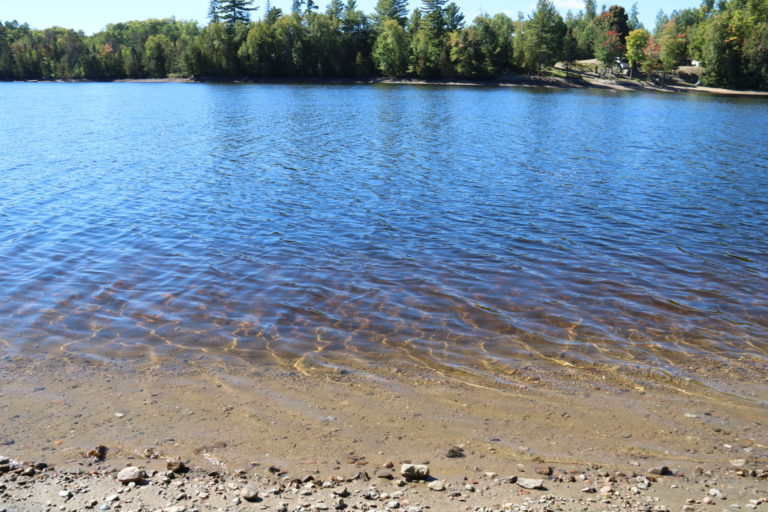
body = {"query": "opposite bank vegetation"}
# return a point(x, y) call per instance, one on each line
point(729, 38)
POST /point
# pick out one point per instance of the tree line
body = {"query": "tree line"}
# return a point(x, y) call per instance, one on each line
point(730, 39)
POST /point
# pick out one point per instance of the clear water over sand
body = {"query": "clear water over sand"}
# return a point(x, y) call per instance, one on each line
point(473, 232)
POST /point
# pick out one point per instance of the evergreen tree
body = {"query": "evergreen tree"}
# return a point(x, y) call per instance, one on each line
point(544, 33)
point(634, 19)
point(391, 10)
point(335, 9)
point(454, 19)
point(231, 11)
point(213, 11)
point(590, 9)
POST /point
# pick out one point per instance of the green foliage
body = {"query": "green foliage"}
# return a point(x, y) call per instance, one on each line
point(544, 36)
point(730, 37)
point(390, 52)
point(637, 40)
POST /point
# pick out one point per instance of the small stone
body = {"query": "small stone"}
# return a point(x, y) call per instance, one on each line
point(660, 470)
point(414, 471)
point(176, 465)
point(531, 483)
point(112, 497)
point(738, 462)
point(606, 489)
point(393, 505)
point(65, 494)
point(321, 506)
point(119, 415)
point(130, 474)
point(437, 485)
point(341, 493)
point(469, 488)
point(455, 452)
point(99, 452)
point(708, 500)
point(590, 490)
point(691, 415)
point(383, 473)
point(249, 493)
point(543, 470)
point(176, 508)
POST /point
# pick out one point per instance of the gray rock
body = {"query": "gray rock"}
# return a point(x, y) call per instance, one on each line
point(531, 483)
point(130, 474)
point(414, 471)
point(393, 505)
point(249, 493)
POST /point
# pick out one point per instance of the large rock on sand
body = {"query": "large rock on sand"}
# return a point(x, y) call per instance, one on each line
point(130, 474)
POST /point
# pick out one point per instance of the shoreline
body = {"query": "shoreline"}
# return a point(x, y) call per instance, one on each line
point(623, 85)
point(229, 421)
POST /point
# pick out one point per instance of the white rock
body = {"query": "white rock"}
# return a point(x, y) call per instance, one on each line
point(437, 485)
point(531, 483)
point(130, 474)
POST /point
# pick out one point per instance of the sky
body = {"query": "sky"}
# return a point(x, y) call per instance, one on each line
point(93, 15)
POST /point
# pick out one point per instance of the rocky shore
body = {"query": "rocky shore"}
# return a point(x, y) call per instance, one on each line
point(215, 435)
point(155, 484)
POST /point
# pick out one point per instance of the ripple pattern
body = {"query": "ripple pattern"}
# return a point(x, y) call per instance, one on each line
point(355, 226)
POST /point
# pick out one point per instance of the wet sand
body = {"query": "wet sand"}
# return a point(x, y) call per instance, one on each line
point(226, 416)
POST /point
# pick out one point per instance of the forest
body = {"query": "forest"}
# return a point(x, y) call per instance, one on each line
point(434, 41)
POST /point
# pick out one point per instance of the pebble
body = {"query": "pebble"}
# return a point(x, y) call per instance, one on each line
point(393, 504)
point(531, 483)
point(119, 415)
point(130, 474)
point(249, 493)
point(112, 497)
point(65, 494)
point(437, 485)
point(321, 506)
point(708, 501)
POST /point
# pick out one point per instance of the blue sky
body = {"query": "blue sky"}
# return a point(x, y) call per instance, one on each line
point(93, 15)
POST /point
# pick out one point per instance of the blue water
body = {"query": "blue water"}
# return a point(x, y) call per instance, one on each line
point(356, 226)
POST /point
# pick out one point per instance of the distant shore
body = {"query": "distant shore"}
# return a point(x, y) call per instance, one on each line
point(578, 82)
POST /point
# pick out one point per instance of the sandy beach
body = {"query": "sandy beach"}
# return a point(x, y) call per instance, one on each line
point(230, 424)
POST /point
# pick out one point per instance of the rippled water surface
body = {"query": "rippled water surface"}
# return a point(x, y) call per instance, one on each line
point(347, 226)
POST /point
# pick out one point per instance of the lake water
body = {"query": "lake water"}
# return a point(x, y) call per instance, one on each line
point(475, 230)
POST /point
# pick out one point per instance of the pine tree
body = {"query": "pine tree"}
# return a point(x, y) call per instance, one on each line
point(391, 10)
point(453, 17)
point(213, 11)
point(231, 11)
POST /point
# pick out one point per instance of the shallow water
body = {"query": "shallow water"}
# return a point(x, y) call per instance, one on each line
point(463, 229)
